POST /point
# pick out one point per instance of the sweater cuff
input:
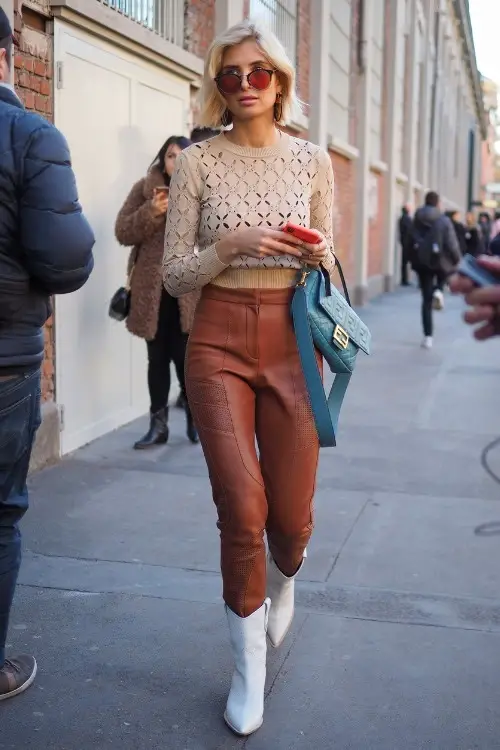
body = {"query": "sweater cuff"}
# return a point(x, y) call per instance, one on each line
point(210, 263)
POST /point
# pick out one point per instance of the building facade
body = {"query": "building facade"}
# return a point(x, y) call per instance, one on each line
point(390, 89)
point(490, 167)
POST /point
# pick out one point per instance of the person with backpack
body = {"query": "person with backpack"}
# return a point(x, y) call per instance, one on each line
point(434, 254)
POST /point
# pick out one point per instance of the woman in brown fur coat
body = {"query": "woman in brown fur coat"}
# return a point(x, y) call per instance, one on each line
point(164, 322)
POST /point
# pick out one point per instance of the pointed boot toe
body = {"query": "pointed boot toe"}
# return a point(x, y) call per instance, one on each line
point(245, 705)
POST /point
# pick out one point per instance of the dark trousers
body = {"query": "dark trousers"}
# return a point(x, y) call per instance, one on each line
point(169, 345)
point(19, 421)
point(429, 282)
point(440, 277)
point(404, 266)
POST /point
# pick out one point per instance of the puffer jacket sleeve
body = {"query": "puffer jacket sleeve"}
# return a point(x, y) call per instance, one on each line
point(55, 236)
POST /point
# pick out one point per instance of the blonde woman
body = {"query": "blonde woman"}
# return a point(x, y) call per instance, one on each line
point(230, 196)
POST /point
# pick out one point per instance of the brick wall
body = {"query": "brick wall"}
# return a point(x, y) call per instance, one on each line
point(200, 26)
point(303, 50)
point(33, 80)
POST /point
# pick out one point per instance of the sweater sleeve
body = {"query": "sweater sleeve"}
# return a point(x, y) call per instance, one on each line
point(186, 269)
point(322, 205)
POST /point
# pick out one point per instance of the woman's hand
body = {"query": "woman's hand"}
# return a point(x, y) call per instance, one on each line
point(314, 255)
point(258, 242)
point(484, 302)
point(159, 203)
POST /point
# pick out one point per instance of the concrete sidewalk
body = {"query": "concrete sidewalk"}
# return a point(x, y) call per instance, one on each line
point(396, 642)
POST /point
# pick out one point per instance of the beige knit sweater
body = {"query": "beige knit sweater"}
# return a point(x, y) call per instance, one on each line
point(219, 187)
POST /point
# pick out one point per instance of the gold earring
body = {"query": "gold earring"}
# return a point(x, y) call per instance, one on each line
point(278, 108)
point(226, 118)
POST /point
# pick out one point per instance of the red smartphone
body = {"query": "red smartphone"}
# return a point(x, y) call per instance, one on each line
point(301, 233)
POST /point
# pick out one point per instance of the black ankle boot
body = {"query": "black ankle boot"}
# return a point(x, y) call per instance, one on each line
point(191, 430)
point(157, 433)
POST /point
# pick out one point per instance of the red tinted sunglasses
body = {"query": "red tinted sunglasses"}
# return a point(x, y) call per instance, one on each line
point(230, 83)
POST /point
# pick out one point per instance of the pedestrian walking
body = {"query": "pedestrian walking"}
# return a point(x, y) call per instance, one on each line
point(164, 322)
point(229, 198)
point(459, 227)
point(199, 134)
point(404, 225)
point(474, 244)
point(45, 249)
point(435, 252)
point(485, 227)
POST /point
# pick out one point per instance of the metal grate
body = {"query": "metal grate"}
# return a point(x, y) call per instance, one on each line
point(163, 17)
point(281, 17)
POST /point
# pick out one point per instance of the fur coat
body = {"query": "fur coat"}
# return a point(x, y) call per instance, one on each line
point(137, 227)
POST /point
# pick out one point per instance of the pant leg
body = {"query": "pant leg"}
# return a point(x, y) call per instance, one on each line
point(220, 381)
point(287, 439)
point(19, 420)
point(441, 277)
point(426, 281)
point(404, 266)
point(159, 356)
point(178, 348)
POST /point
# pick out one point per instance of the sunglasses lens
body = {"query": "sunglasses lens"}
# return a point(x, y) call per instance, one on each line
point(259, 79)
point(229, 83)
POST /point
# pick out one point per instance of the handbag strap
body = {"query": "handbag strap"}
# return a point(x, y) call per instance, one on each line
point(325, 410)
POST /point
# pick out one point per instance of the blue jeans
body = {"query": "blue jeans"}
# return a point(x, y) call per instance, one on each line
point(19, 421)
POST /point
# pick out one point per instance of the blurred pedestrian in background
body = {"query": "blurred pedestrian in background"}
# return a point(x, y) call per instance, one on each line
point(405, 226)
point(164, 322)
point(474, 243)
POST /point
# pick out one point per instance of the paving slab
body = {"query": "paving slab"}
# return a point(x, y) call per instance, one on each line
point(151, 518)
point(422, 544)
point(354, 685)
point(125, 672)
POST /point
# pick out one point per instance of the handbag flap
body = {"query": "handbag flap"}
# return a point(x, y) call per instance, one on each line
point(342, 314)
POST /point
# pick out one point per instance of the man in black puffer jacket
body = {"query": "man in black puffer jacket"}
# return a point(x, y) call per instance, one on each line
point(45, 249)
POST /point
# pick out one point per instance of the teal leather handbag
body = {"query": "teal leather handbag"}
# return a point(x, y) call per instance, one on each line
point(323, 319)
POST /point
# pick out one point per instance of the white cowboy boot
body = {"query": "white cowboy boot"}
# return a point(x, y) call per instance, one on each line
point(245, 704)
point(281, 591)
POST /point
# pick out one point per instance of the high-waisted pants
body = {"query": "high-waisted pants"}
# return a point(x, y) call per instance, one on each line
point(250, 405)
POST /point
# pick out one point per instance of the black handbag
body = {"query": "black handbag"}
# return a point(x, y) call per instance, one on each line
point(119, 307)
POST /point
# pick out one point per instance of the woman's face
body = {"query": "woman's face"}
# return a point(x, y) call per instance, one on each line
point(172, 153)
point(247, 102)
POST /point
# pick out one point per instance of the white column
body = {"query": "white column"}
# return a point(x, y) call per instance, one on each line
point(412, 116)
point(363, 163)
point(227, 13)
point(319, 62)
point(394, 106)
point(426, 104)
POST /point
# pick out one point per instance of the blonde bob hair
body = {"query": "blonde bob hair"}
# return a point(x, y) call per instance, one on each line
point(213, 106)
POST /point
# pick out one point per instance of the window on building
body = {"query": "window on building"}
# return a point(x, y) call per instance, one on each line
point(163, 17)
point(281, 17)
point(339, 69)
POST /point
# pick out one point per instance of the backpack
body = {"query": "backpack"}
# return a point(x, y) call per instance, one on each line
point(425, 247)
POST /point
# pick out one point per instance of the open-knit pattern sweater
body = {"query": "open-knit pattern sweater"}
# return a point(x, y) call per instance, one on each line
point(219, 187)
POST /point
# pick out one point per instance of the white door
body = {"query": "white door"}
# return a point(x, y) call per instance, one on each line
point(116, 110)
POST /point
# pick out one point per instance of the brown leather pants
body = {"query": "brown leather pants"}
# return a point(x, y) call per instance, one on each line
point(245, 385)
